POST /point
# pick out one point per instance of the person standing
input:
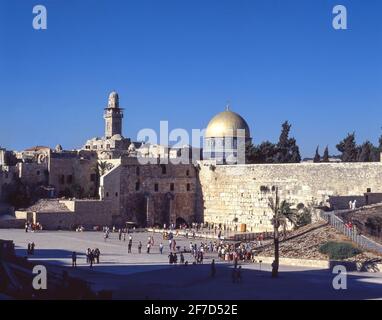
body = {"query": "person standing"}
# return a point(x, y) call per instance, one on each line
point(213, 268)
point(238, 274)
point(129, 245)
point(120, 234)
point(233, 275)
point(32, 247)
point(91, 259)
point(88, 255)
point(74, 259)
point(148, 247)
point(140, 247)
point(97, 254)
point(161, 248)
point(170, 258)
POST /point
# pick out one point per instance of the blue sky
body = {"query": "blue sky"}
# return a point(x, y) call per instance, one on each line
point(182, 60)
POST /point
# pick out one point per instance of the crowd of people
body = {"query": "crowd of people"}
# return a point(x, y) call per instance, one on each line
point(194, 253)
point(32, 227)
point(92, 256)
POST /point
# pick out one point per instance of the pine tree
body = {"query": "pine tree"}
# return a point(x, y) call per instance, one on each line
point(325, 157)
point(295, 156)
point(366, 152)
point(348, 148)
point(287, 149)
point(317, 157)
point(250, 150)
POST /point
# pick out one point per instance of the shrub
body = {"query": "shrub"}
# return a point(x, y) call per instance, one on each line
point(339, 250)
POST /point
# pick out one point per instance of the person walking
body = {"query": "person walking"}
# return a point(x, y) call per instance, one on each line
point(161, 248)
point(74, 259)
point(148, 247)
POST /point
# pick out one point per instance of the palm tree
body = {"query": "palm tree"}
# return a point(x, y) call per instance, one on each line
point(282, 213)
point(102, 167)
point(99, 170)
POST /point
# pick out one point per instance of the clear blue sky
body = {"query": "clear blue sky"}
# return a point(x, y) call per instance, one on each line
point(181, 60)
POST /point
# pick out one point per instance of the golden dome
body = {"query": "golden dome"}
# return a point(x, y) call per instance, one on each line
point(226, 124)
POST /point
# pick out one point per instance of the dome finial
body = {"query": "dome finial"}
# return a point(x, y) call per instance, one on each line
point(228, 106)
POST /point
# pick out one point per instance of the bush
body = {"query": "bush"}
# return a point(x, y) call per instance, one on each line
point(339, 250)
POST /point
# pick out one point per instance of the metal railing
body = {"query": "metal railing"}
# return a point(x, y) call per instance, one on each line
point(351, 233)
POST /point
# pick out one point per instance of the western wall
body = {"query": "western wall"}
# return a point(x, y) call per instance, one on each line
point(241, 192)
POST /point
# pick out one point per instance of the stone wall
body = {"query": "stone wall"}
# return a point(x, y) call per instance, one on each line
point(70, 169)
point(155, 194)
point(7, 176)
point(88, 213)
point(33, 173)
point(241, 192)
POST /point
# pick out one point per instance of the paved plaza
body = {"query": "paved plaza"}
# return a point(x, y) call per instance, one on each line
point(149, 276)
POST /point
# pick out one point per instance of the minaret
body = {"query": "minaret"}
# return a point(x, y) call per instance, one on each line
point(113, 116)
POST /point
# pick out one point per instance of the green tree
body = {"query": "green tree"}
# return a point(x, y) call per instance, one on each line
point(348, 148)
point(287, 149)
point(265, 152)
point(317, 157)
point(325, 157)
point(282, 213)
point(250, 152)
point(102, 167)
point(366, 152)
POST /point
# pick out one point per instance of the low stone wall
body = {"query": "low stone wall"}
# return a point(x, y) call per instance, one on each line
point(321, 264)
point(324, 264)
point(87, 213)
point(12, 224)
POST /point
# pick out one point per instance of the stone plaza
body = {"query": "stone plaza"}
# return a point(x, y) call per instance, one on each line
point(149, 276)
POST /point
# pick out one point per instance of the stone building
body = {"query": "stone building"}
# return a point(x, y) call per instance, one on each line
point(152, 194)
point(113, 145)
point(157, 192)
point(73, 173)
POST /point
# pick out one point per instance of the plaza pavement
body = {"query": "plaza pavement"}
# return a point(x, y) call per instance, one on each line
point(149, 276)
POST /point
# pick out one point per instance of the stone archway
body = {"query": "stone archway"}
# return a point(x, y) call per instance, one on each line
point(180, 221)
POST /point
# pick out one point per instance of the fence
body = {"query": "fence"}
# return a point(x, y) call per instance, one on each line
point(351, 233)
